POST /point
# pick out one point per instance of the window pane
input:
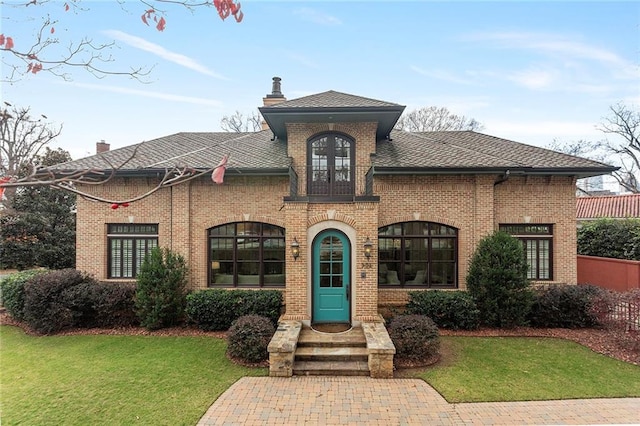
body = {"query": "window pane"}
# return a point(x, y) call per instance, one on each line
point(443, 274)
point(247, 254)
point(423, 254)
point(127, 258)
point(391, 230)
point(336, 281)
point(116, 258)
point(544, 271)
point(531, 254)
point(416, 228)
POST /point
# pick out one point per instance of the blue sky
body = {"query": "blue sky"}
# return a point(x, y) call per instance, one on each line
point(529, 71)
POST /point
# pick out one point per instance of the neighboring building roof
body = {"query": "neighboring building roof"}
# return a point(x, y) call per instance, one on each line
point(614, 206)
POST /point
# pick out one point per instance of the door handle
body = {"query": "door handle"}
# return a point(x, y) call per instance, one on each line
point(347, 292)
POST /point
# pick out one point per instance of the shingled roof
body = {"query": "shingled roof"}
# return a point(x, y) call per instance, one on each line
point(250, 151)
point(398, 152)
point(614, 206)
point(333, 99)
point(468, 151)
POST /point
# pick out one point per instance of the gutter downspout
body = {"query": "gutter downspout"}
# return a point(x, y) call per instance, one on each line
point(504, 178)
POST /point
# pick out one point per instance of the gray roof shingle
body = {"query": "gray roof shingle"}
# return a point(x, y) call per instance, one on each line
point(333, 99)
point(197, 150)
point(470, 150)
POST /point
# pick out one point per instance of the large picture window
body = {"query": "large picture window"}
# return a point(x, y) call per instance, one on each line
point(128, 244)
point(537, 241)
point(417, 254)
point(247, 254)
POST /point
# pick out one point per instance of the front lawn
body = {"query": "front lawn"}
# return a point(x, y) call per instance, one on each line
point(476, 369)
point(84, 380)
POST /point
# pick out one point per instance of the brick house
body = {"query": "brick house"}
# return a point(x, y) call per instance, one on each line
point(333, 206)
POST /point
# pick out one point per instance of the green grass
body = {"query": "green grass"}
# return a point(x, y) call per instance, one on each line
point(83, 380)
point(476, 369)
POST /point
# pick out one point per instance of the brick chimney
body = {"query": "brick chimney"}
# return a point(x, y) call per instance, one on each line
point(102, 146)
point(275, 97)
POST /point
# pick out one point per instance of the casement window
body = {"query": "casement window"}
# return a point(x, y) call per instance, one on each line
point(417, 254)
point(128, 244)
point(331, 166)
point(247, 254)
point(537, 241)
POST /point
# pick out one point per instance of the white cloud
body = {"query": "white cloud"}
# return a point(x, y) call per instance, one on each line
point(534, 78)
point(149, 94)
point(177, 58)
point(548, 43)
point(317, 17)
point(440, 75)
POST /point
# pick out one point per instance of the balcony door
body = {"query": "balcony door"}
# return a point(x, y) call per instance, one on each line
point(330, 166)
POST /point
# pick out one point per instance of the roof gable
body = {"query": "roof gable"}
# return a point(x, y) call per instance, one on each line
point(333, 99)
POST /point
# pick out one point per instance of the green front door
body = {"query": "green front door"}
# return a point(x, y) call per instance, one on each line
point(331, 274)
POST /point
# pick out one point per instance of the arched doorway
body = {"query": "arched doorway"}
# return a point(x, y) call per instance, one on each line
point(331, 254)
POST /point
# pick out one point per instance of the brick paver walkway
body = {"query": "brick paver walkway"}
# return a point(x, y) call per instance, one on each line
point(362, 400)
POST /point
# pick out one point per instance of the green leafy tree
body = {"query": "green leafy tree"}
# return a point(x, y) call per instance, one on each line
point(161, 294)
point(618, 239)
point(497, 280)
point(40, 230)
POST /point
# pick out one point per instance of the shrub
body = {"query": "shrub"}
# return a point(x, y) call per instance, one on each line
point(497, 280)
point(99, 304)
point(115, 305)
point(415, 337)
point(566, 306)
point(44, 304)
point(217, 309)
point(618, 239)
point(12, 292)
point(160, 296)
point(448, 309)
point(249, 337)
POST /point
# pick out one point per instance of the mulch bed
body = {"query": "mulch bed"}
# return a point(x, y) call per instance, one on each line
point(615, 344)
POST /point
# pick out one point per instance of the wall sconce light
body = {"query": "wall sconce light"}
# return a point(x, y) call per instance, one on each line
point(527, 219)
point(368, 246)
point(295, 249)
point(131, 219)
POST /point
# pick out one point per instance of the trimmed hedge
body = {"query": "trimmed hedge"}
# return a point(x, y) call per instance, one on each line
point(416, 337)
point(217, 309)
point(249, 337)
point(565, 306)
point(12, 291)
point(615, 238)
point(44, 304)
point(448, 309)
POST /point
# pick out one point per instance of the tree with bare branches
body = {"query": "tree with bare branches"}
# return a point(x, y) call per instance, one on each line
point(50, 51)
point(623, 124)
point(22, 138)
point(239, 123)
point(430, 119)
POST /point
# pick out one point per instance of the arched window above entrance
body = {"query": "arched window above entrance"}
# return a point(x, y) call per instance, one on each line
point(331, 166)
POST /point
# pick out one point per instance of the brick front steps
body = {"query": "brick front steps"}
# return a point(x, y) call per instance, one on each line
point(366, 350)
